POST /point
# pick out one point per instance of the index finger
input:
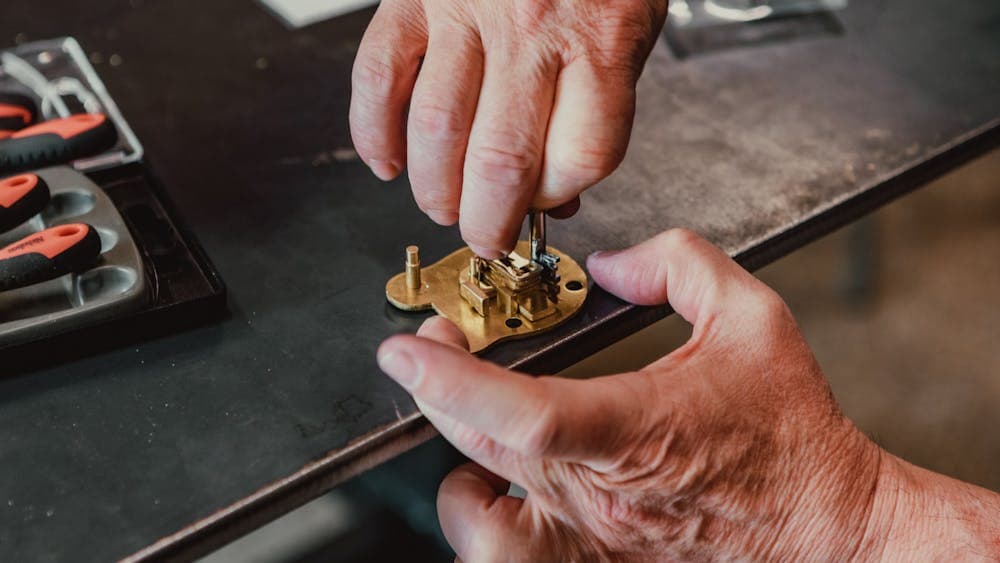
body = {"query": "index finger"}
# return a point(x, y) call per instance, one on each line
point(472, 505)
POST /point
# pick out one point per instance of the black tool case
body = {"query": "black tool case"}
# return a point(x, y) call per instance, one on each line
point(152, 278)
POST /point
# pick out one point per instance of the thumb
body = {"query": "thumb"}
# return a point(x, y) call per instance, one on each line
point(534, 417)
point(677, 267)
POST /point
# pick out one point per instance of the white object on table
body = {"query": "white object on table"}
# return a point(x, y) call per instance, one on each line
point(300, 13)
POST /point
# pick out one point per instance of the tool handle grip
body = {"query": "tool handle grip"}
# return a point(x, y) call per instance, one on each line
point(57, 141)
point(49, 254)
point(16, 113)
point(21, 198)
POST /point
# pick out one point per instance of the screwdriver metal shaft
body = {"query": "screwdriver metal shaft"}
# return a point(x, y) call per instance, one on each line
point(536, 235)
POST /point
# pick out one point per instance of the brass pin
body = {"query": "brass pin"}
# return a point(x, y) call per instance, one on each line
point(474, 267)
point(413, 267)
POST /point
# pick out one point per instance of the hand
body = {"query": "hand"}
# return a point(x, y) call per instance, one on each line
point(731, 447)
point(498, 107)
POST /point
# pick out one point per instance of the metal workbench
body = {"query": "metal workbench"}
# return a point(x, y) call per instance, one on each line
point(174, 446)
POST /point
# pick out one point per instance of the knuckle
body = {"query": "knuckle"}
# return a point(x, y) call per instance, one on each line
point(440, 124)
point(619, 65)
point(388, 57)
point(678, 240)
point(623, 34)
point(616, 511)
point(774, 332)
point(473, 441)
point(434, 199)
point(541, 433)
point(773, 308)
point(529, 15)
point(504, 159)
point(446, 396)
point(375, 77)
point(584, 165)
point(768, 320)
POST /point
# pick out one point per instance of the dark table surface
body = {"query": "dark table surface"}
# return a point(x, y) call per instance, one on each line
point(174, 446)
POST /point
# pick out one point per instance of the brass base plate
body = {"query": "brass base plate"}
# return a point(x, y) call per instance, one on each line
point(440, 291)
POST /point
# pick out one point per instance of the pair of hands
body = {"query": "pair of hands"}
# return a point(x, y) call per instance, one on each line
point(731, 447)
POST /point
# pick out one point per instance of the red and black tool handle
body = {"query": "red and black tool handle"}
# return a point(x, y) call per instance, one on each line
point(49, 254)
point(21, 198)
point(57, 141)
point(16, 113)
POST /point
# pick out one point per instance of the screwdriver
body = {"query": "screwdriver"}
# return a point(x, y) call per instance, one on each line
point(16, 113)
point(21, 198)
point(539, 249)
point(57, 141)
point(49, 254)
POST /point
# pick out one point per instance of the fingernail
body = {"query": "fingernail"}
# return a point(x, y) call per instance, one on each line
point(444, 218)
point(383, 169)
point(400, 366)
point(487, 253)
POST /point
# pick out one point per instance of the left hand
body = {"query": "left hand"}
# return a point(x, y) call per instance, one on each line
point(731, 447)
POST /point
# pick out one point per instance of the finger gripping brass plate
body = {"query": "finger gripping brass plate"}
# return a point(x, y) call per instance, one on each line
point(439, 287)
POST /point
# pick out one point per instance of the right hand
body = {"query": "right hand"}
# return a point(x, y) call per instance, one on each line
point(496, 107)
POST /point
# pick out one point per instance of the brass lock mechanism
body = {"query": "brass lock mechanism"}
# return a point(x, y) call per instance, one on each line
point(533, 289)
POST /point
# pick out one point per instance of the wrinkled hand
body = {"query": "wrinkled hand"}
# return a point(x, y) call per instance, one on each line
point(498, 107)
point(731, 447)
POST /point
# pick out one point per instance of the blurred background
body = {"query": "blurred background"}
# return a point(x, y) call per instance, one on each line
point(902, 310)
